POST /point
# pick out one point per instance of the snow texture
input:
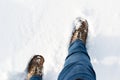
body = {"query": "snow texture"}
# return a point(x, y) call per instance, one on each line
point(29, 27)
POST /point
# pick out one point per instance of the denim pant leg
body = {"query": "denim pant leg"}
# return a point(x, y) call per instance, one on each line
point(36, 77)
point(77, 64)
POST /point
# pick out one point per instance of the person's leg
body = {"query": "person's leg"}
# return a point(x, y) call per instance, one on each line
point(35, 67)
point(36, 77)
point(77, 65)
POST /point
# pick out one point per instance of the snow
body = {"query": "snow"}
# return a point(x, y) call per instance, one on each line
point(29, 27)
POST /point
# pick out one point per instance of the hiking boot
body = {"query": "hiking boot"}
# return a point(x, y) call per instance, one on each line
point(80, 30)
point(35, 66)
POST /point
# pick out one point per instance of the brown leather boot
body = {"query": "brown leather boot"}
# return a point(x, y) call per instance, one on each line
point(80, 30)
point(35, 66)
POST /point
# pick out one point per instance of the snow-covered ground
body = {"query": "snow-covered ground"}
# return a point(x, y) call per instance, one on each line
point(29, 27)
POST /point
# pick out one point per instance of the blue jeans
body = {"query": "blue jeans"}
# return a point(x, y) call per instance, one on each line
point(77, 64)
point(36, 77)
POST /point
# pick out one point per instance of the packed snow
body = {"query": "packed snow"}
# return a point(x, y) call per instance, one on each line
point(29, 27)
